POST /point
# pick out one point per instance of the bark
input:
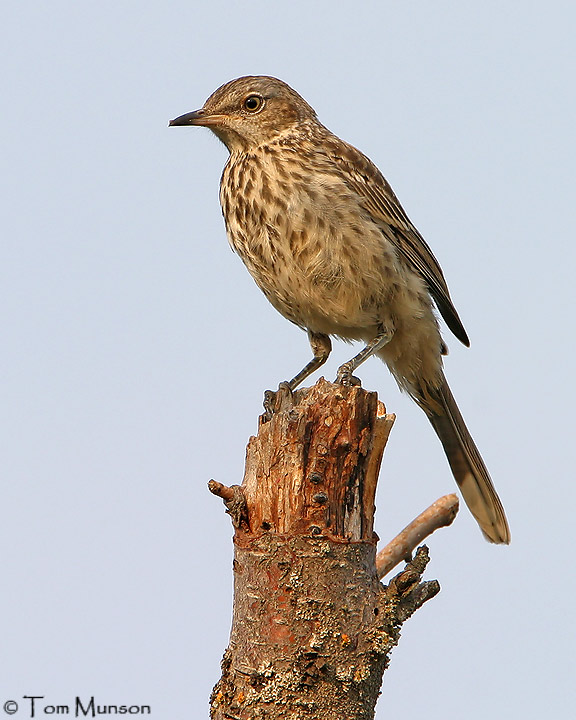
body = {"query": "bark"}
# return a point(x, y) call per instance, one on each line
point(312, 625)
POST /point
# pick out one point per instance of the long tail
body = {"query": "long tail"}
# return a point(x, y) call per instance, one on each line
point(467, 465)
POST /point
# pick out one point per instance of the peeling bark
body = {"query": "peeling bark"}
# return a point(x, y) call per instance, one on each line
point(312, 625)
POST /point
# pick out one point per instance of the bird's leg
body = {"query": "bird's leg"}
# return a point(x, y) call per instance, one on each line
point(321, 347)
point(345, 376)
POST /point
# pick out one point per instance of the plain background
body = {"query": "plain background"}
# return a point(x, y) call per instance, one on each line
point(136, 348)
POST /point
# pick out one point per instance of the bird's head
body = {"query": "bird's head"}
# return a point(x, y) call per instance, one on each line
point(250, 111)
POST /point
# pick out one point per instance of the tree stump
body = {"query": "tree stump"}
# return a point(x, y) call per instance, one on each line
point(312, 625)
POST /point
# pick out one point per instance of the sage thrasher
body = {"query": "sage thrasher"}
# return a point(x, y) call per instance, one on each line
point(326, 240)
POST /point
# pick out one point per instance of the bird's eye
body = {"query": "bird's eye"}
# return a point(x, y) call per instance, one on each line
point(253, 103)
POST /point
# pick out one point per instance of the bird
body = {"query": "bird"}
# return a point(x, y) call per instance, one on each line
point(326, 239)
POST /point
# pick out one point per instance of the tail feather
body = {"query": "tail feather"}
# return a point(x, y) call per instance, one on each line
point(465, 461)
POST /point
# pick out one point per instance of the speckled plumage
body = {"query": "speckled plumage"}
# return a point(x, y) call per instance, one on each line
point(327, 241)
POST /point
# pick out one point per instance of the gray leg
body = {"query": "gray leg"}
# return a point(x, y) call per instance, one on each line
point(345, 372)
point(321, 347)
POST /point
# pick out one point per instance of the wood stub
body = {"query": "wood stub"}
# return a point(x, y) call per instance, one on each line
point(440, 514)
point(312, 625)
point(313, 467)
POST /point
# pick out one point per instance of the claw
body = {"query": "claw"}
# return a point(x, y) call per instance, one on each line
point(269, 402)
point(345, 377)
point(276, 400)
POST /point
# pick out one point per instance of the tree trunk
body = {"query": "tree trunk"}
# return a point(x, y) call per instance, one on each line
point(312, 625)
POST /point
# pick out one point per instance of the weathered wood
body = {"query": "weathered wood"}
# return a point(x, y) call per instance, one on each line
point(313, 468)
point(312, 624)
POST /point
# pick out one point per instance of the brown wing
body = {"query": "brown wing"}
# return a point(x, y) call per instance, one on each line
point(364, 178)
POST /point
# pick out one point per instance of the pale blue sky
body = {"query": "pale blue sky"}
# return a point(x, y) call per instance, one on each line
point(136, 348)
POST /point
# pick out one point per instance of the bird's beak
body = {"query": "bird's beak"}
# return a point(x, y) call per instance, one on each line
point(198, 117)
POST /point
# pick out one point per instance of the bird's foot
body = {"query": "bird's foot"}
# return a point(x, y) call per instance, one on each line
point(345, 377)
point(276, 400)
